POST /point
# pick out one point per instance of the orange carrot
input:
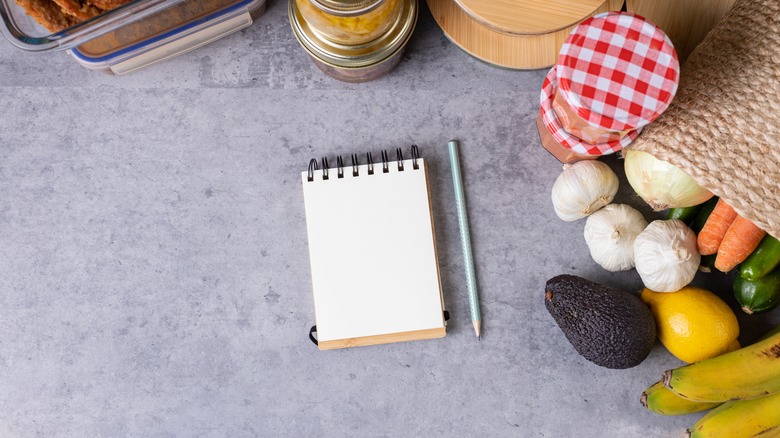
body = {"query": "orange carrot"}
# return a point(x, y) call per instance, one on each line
point(740, 240)
point(715, 228)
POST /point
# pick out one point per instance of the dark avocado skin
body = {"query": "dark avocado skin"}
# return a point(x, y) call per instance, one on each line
point(609, 327)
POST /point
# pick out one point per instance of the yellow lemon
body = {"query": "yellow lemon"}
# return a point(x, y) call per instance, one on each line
point(693, 323)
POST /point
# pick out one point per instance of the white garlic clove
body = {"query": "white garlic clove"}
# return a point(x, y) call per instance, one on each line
point(610, 234)
point(583, 188)
point(666, 255)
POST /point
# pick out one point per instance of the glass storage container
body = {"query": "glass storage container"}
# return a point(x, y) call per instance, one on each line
point(616, 73)
point(363, 61)
point(134, 35)
point(565, 146)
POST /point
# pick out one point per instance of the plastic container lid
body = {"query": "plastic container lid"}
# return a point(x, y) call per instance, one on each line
point(618, 71)
point(176, 30)
point(566, 139)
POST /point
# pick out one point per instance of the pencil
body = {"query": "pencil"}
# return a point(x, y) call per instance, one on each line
point(465, 237)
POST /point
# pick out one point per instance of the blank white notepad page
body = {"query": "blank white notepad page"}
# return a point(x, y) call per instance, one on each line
point(372, 252)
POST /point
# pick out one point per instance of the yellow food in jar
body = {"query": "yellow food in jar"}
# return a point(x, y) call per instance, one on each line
point(351, 30)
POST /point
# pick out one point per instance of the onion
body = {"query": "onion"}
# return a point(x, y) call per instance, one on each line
point(660, 184)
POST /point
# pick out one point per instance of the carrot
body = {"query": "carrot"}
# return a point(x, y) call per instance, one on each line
point(740, 240)
point(715, 228)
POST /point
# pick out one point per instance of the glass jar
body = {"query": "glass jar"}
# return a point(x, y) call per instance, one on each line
point(350, 22)
point(356, 62)
point(616, 73)
point(562, 144)
point(580, 127)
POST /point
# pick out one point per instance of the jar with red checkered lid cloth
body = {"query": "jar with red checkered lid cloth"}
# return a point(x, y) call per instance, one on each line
point(616, 73)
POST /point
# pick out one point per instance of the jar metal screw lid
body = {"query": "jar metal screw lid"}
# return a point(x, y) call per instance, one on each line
point(355, 56)
point(618, 71)
point(347, 8)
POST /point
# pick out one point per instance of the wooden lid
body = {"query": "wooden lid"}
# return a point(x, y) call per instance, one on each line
point(508, 50)
point(529, 17)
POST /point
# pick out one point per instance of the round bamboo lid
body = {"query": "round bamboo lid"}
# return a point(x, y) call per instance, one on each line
point(528, 34)
point(529, 17)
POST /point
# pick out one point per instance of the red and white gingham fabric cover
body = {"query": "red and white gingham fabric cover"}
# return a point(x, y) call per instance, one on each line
point(562, 136)
point(618, 71)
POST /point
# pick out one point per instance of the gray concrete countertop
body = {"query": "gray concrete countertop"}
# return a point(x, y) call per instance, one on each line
point(154, 273)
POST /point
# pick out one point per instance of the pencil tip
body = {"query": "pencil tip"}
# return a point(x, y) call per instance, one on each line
point(478, 329)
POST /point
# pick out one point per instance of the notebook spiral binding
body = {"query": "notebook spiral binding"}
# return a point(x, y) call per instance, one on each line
point(313, 165)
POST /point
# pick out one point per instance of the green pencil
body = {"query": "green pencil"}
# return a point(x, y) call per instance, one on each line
point(465, 237)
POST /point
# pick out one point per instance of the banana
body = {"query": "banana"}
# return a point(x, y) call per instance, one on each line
point(759, 417)
point(660, 400)
point(770, 333)
point(749, 372)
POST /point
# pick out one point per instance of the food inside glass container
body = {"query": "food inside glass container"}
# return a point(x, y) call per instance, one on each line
point(57, 15)
point(356, 62)
point(351, 29)
point(579, 127)
point(360, 74)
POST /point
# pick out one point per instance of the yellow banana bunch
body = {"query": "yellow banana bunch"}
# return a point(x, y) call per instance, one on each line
point(660, 400)
point(747, 373)
point(747, 380)
point(759, 417)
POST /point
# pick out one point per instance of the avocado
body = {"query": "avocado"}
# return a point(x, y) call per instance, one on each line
point(607, 326)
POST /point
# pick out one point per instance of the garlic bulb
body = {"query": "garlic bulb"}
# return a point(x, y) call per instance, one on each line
point(666, 255)
point(661, 184)
point(610, 234)
point(583, 188)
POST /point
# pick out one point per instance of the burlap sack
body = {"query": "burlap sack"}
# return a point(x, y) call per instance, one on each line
point(723, 127)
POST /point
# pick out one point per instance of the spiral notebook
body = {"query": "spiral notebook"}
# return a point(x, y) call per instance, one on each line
point(374, 270)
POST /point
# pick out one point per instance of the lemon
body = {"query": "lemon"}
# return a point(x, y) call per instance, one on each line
point(693, 323)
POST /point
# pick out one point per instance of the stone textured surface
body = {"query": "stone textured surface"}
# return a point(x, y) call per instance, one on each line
point(154, 271)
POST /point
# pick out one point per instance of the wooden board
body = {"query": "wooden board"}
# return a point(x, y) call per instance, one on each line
point(529, 17)
point(686, 22)
point(522, 52)
point(417, 335)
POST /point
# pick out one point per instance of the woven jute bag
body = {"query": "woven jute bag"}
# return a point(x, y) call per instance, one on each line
point(723, 127)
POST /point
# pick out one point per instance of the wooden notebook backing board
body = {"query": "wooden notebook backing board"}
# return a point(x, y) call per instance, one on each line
point(515, 34)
